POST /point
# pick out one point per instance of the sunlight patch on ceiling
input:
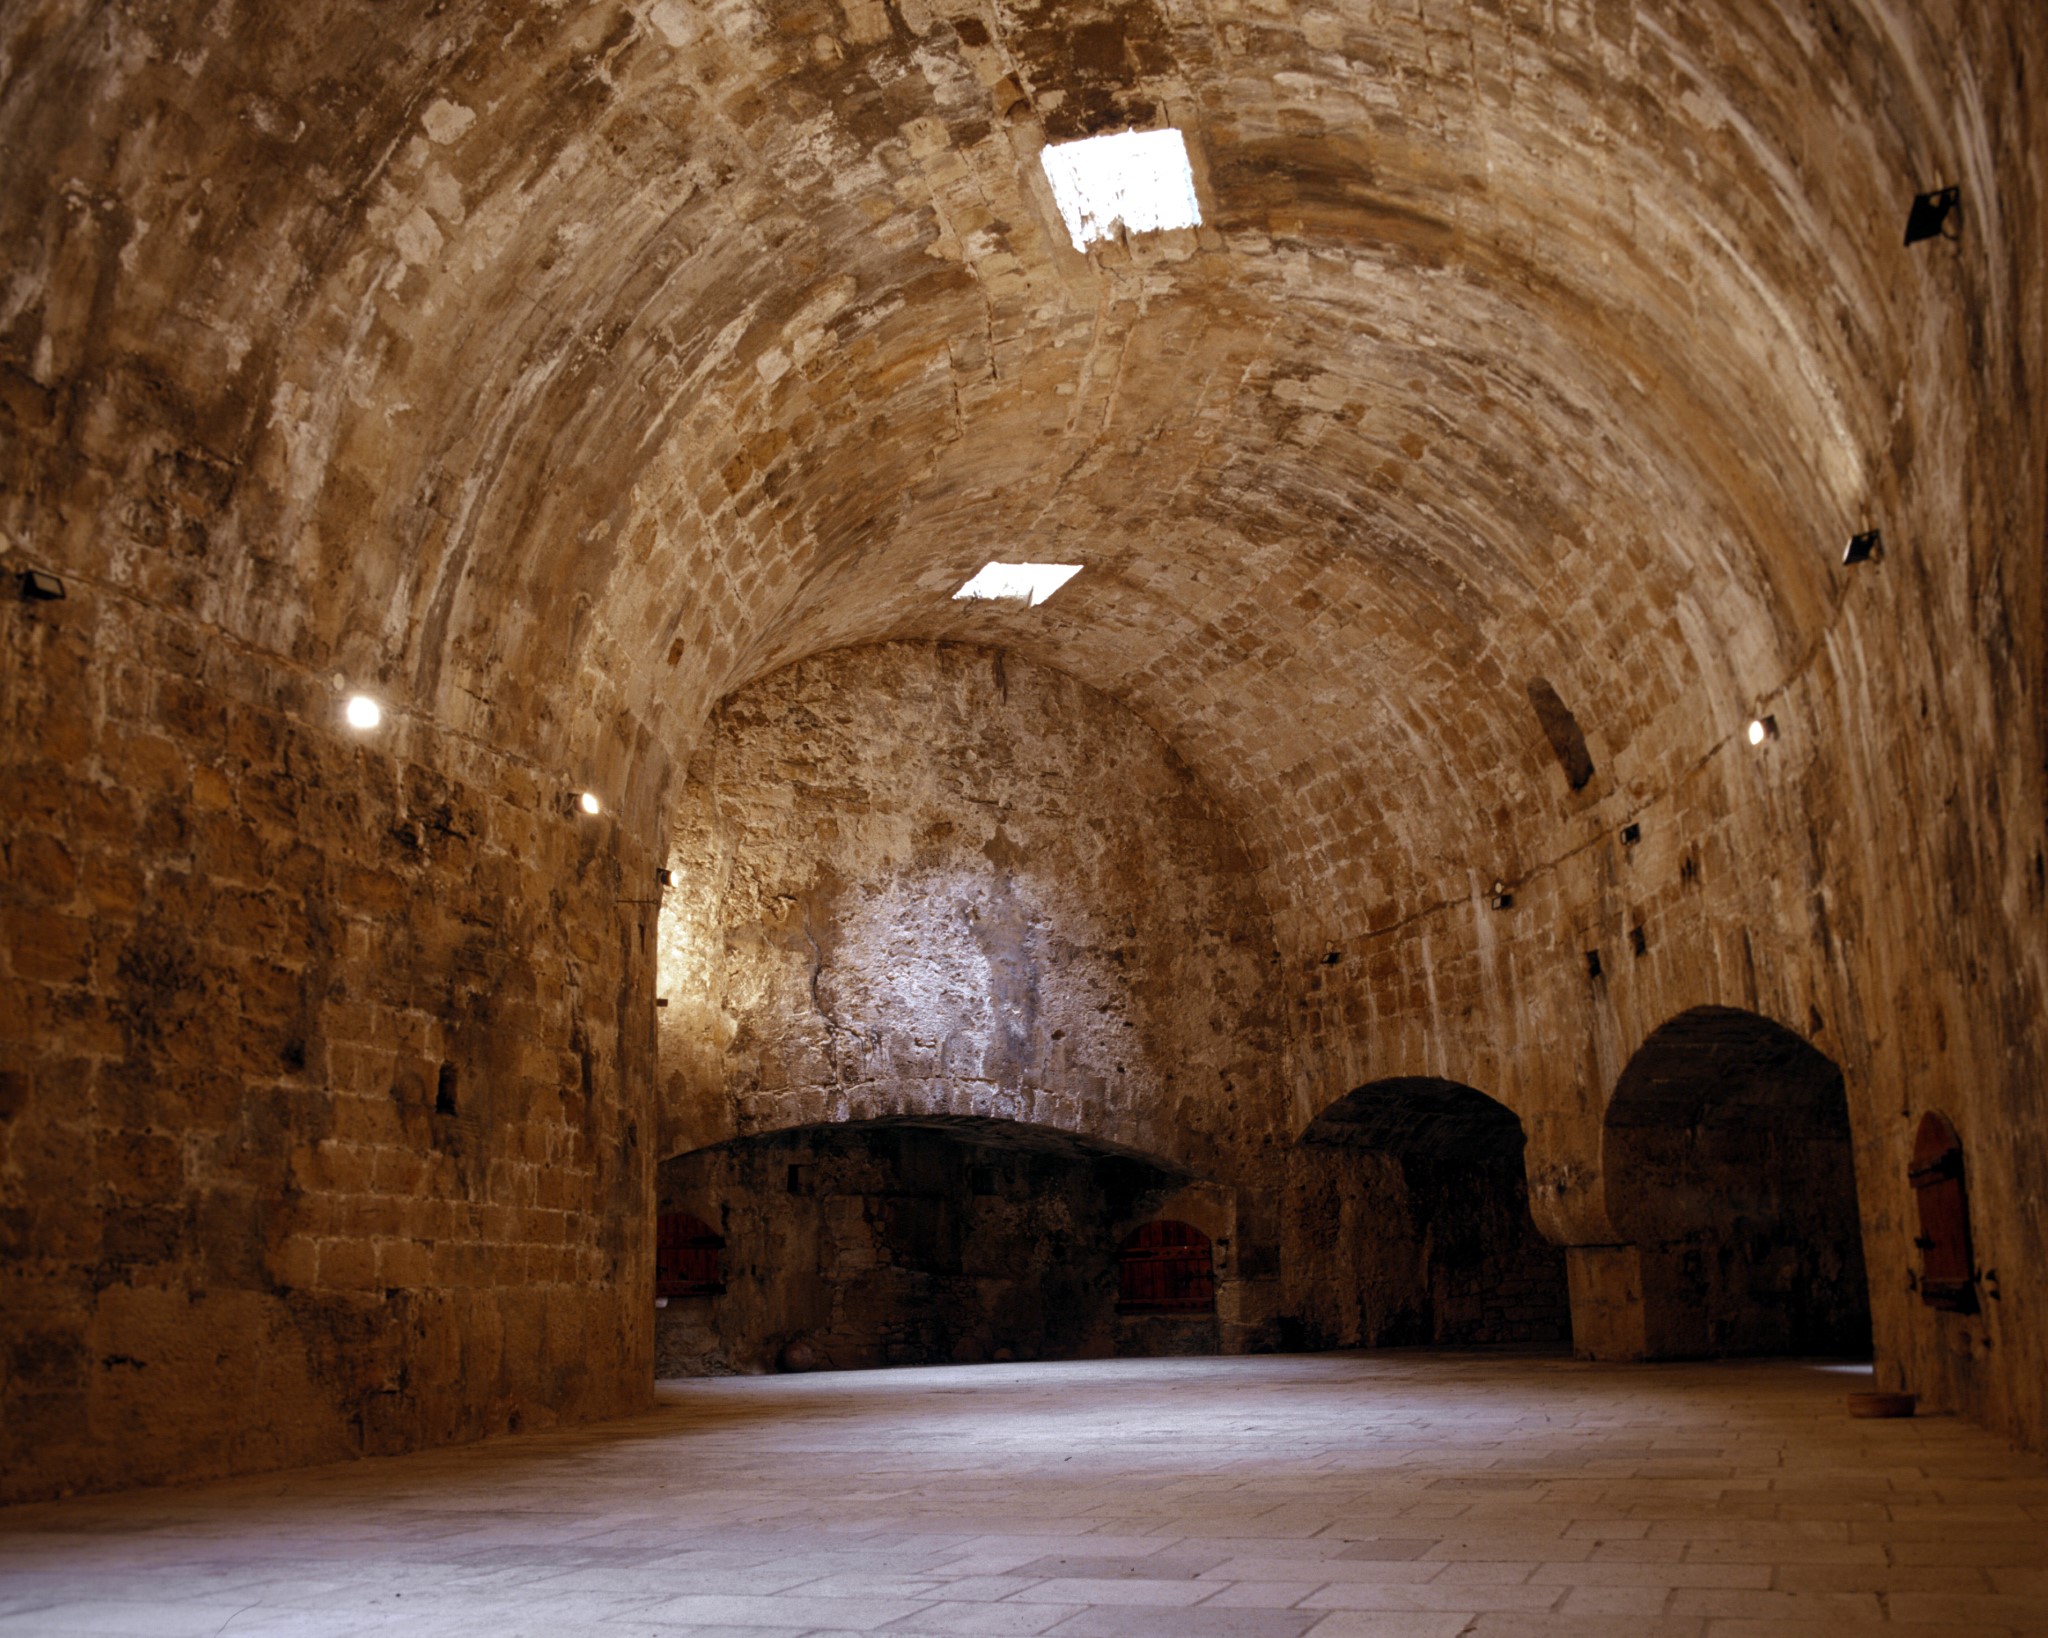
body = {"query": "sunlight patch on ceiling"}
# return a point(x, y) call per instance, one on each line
point(1140, 179)
point(1029, 583)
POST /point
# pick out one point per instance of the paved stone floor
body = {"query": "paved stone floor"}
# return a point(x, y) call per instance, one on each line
point(1347, 1495)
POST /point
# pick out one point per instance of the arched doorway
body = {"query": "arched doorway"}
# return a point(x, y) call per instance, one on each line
point(1941, 1201)
point(917, 1240)
point(1408, 1221)
point(1727, 1163)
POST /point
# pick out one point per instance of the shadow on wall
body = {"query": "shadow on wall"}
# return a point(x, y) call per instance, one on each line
point(1728, 1166)
point(915, 1242)
point(1407, 1221)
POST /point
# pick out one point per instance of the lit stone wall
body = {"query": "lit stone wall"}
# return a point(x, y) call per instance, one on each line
point(933, 879)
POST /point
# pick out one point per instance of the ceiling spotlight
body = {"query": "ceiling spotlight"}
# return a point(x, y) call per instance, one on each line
point(362, 712)
point(40, 586)
point(1762, 728)
point(589, 803)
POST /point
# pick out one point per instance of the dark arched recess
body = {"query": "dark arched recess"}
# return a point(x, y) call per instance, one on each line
point(1407, 1221)
point(1728, 1166)
point(908, 1241)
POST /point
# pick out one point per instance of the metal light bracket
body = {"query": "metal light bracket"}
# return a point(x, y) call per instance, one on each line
point(1928, 219)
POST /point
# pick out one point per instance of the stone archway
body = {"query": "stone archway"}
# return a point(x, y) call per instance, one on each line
point(1407, 1221)
point(1728, 1172)
point(910, 1241)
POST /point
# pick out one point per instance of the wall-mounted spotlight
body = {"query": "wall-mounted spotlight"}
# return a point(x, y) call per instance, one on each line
point(40, 586)
point(589, 803)
point(362, 713)
point(1631, 833)
point(1928, 219)
point(1867, 547)
point(1502, 899)
point(664, 875)
point(1762, 729)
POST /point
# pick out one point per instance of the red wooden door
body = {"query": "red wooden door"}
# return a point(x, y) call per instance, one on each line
point(686, 1257)
point(1947, 1279)
point(1166, 1268)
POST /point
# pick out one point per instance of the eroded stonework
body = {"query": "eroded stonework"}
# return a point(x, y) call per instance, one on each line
point(935, 879)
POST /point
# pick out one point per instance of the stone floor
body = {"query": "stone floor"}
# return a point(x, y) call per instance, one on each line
point(1348, 1495)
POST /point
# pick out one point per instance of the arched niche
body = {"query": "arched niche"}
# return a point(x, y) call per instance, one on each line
point(1407, 1220)
point(1727, 1165)
point(914, 1240)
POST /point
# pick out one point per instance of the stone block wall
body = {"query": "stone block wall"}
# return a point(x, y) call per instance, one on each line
point(919, 879)
point(325, 1065)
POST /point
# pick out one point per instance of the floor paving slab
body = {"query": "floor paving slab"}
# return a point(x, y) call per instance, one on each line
point(1391, 1495)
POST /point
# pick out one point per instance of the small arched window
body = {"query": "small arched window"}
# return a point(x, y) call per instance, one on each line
point(1165, 1268)
point(1947, 1278)
point(686, 1257)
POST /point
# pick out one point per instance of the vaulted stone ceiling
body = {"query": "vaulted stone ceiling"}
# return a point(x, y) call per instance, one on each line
point(563, 367)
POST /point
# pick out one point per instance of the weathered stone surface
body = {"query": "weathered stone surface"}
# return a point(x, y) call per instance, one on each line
point(929, 879)
point(328, 1128)
point(557, 372)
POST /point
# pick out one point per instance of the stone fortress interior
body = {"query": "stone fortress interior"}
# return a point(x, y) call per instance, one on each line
point(1526, 829)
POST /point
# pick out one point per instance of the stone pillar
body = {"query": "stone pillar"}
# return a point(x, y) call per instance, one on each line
point(1607, 1302)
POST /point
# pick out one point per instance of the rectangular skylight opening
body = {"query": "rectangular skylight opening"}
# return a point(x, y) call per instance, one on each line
point(1028, 583)
point(1139, 179)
